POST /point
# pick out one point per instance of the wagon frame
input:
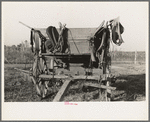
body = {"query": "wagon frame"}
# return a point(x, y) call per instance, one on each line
point(41, 80)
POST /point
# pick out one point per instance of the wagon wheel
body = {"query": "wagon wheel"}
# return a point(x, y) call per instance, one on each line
point(41, 88)
point(38, 68)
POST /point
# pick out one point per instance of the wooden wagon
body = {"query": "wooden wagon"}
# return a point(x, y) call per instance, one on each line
point(89, 50)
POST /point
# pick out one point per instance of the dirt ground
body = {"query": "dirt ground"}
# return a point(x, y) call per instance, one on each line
point(130, 85)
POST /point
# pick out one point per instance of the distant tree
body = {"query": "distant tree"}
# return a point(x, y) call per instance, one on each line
point(20, 53)
point(19, 47)
point(13, 47)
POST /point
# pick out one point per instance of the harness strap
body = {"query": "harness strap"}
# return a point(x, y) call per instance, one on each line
point(43, 40)
point(31, 40)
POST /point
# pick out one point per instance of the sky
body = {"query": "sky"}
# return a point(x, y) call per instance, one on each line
point(134, 17)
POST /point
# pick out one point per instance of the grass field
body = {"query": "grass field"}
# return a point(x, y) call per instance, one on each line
point(130, 81)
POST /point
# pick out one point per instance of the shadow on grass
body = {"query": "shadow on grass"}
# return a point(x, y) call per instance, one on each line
point(131, 84)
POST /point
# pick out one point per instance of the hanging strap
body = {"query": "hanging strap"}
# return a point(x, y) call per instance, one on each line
point(31, 39)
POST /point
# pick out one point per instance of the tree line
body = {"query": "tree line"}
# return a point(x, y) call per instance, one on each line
point(20, 53)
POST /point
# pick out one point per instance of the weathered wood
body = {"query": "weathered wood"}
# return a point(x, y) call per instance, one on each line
point(65, 76)
point(65, 54)
point(62, 91)
point(71, 58)
point(25, 74)
point(66, 84)
point(119, 96)
point(33, 79)
point(101, 86)
point(25, 71)
point(77, 33)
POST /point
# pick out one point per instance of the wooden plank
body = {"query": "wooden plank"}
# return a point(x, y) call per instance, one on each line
point(102, 86)
point(73, 77)
point(62, 91)
point(33, 79)
point(25, 71)
point(66, 56)
point(71, 58)
point(25, 74)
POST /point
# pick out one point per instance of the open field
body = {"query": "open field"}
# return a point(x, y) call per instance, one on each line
point(130, 82)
